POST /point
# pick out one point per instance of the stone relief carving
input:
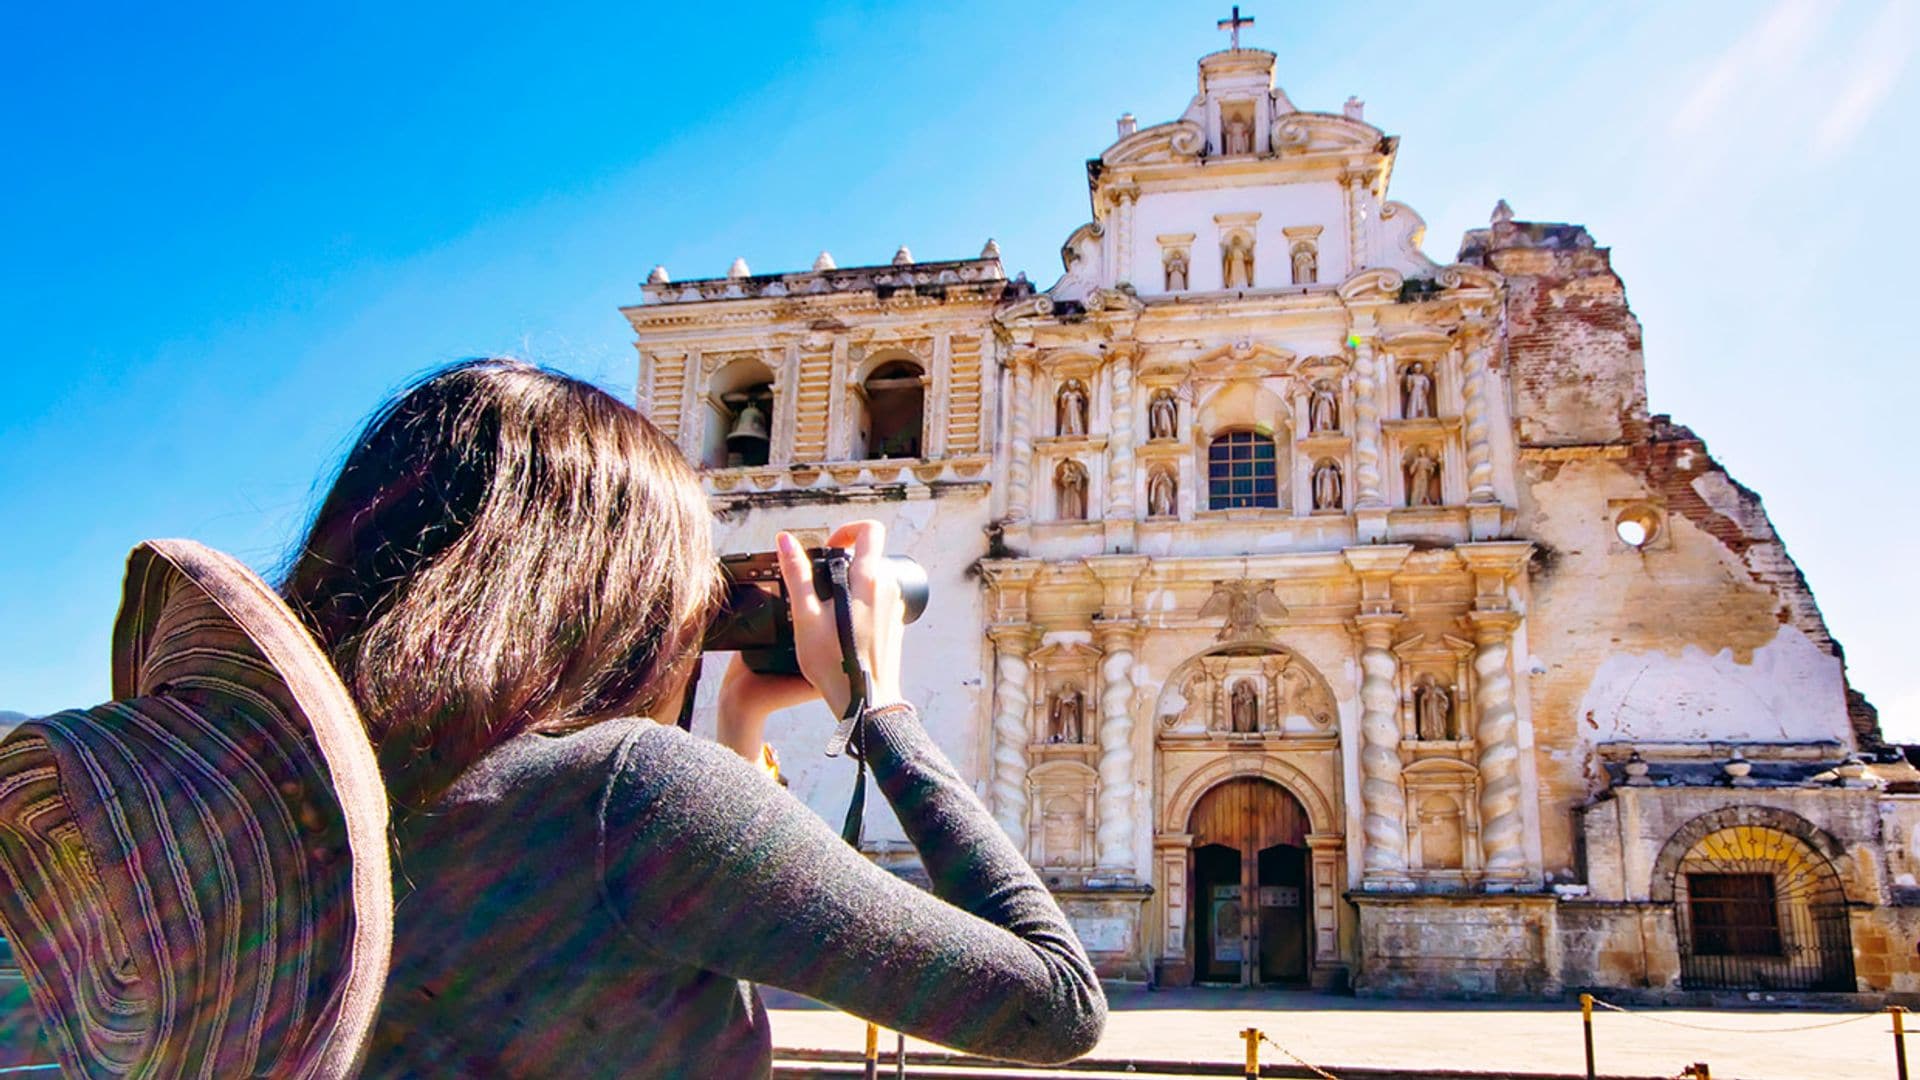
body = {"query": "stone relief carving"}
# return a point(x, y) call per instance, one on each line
point(1063, 830)
point(1162, 414)
point(1236, 262)
point(1323, 408)
point(1066, 717)
point(1070, 409)
point(1306, 265)
point(1161, 492)
point(1433, 710)
point(1070, 490)
point(1326, 485)
point(1416, 392)
point(1238, 135)
point(1245, 708)
point(1246, 605)
point(1176, 269)
point(1437, 822)
point(1423, 477)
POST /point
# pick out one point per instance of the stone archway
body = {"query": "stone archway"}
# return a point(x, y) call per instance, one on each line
point(1210, 734)
point(1759, 902)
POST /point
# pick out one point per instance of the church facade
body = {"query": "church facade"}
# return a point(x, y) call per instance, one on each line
point(1311, 612)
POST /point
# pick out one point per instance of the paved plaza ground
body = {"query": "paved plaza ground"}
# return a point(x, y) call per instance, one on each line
point(1331, 1031)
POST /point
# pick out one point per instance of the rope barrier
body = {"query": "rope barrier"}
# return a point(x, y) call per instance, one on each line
point(1731, 1030)
point(1297, 1059)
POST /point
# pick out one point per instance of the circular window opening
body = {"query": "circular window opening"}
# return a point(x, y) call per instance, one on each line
point(1636, 526)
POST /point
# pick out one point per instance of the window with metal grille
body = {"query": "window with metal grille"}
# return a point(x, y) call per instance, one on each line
point(1733, 915)
point(1242, 471)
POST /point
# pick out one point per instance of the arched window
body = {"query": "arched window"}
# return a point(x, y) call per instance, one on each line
point(739, 430)
point(1242, 470)
point(896, 399)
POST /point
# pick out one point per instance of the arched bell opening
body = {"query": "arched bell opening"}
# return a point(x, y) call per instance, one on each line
point(893, 421)
point(739, 428)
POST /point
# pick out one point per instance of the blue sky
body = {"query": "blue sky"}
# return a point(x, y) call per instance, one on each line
point(230, 230)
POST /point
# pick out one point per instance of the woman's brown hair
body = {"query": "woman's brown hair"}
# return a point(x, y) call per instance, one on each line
point(506, 549)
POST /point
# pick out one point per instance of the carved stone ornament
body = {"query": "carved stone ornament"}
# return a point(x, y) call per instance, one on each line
point(1070, 490)
point(1070, 409)
point(1433, 710)
point(1326, 485)
point(1176, 268)
point(1245, 708)
point(1306, 265)
point(1323, 408)
point(1162, 414)
point(1236, 262)
point(1416, 388)
point(1161, 492)
point(1423, 477)
point(1246, 605)
point(1066, 716)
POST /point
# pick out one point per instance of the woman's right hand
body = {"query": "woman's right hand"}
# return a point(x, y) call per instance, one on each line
point(878, 616)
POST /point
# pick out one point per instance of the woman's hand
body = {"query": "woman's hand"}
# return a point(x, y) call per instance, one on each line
point(878, 616)
point(747, 698)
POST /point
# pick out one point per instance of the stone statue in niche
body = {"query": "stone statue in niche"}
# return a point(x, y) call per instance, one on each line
point(1162, 415)
point(1432, 710)
point(1323, 408)
point(1326, 485)
point(1239, 135)
point(1416, 387)
point(1070, 490)
point(1306, 265)
point(1244, 707)
point(1236, 262)
point(1160, 493)
point(1423, 477)
point(1176, 265)
point(1070, 409)
point(1065, 718)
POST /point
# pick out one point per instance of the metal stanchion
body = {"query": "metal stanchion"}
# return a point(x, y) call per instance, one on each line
point(1899, 1040)
point(899, 1055)
point(873, 1051)
point(1586, 1023)
point(1252, 1035)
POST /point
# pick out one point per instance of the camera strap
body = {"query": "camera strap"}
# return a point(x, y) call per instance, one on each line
point(846, 734)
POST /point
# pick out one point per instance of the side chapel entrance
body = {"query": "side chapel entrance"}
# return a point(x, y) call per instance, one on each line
point(1252, 895)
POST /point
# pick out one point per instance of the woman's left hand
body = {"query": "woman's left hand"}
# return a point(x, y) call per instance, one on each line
point(748, 698)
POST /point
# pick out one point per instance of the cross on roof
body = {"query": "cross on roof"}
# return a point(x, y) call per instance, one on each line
point(1234, 24)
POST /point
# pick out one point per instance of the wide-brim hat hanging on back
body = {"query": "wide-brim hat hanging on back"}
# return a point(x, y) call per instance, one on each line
point(195, 876)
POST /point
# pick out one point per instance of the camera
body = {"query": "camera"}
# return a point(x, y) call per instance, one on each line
point(754, 619)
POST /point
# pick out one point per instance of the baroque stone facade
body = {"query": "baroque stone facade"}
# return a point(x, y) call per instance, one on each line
point(1309, 611)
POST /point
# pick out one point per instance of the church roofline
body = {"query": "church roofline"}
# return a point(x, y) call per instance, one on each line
point(848, 279)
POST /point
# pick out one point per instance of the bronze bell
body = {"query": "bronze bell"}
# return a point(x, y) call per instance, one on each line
point(749, 426)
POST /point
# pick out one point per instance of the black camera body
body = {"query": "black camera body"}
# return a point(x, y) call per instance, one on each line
point(755, 621)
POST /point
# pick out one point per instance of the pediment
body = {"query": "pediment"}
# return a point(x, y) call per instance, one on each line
point(1302, 133)
point(1174, 141)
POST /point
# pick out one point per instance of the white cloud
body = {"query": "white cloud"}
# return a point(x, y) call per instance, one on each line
point(1750, 63)
point(1874, 70)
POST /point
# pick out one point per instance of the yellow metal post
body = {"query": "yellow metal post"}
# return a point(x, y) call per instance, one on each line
point(1586, 1023)
point(873, 1051)
point(1252, 1035)
point(1899, 1041)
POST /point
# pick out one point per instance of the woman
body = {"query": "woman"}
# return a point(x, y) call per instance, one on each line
point(512, 567)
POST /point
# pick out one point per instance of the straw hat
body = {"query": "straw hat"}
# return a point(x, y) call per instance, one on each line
point(194, 876)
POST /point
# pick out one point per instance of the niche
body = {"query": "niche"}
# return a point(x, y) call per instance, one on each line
point(895, 395)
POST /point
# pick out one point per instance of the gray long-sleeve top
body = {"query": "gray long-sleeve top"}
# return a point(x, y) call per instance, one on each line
point(602, 903)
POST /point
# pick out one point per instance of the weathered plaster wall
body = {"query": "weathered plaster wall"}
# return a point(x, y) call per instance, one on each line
point(945, 652)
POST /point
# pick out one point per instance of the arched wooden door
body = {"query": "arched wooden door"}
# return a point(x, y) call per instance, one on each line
point(1252, 894)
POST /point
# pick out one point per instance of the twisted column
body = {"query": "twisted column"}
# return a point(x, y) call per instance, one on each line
point(1120, 440)
point(1383, 802)
point(1020, 467)
point(1497, 734)
point(1012, 728)
point(1113, 839)
point(1366, 427)
point(1479, 448)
